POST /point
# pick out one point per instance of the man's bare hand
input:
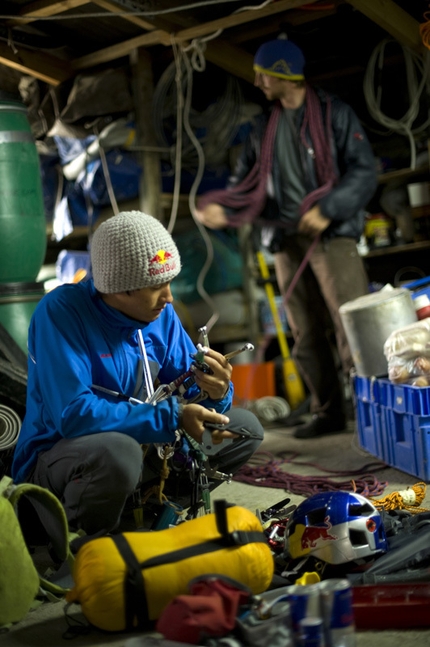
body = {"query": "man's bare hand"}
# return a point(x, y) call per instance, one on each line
point(212, 216)
point(313, 223)
point(194, 417)
point(217, 384)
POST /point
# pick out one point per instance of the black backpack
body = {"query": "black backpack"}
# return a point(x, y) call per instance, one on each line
point(408, 555)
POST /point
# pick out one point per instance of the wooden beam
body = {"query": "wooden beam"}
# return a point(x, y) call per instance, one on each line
point(393, 19)
point(298, 17)
point(143, 92)
point(159, 23)
point(114, 7)
point(160, 36)
point(44, 9)
point(45, 68)
point(117, 51)
point(239, 18)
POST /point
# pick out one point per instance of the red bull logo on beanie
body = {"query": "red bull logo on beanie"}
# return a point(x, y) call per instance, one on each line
point(163, 258)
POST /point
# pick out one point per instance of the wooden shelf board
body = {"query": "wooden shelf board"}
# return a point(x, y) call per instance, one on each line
point(402, 173)
point(398, 249)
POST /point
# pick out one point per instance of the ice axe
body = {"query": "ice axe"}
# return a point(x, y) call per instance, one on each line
point(293, 384)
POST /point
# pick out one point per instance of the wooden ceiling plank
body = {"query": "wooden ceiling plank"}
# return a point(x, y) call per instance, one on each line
point(294, 18)
point(239, 18)
point(113, 7)
point(121, 49)
point(393, 19)
point(160, 36)
point(45, 68)
point(46, 8)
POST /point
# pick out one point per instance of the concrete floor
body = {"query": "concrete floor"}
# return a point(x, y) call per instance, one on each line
point(45, 626)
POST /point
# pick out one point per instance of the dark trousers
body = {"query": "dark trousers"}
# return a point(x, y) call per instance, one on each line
point(94, 475)
point(334, 275)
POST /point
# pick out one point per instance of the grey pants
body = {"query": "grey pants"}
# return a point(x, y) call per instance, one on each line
point(334, 275)
point(94, 475)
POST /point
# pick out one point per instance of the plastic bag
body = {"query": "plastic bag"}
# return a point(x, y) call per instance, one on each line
point(408, 354)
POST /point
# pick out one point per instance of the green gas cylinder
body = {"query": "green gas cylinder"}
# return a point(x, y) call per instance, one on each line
point(18, 301)
point(22, 213)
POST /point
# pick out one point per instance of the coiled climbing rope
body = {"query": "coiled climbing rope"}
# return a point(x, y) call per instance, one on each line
point(266, 471)
point(409, 499)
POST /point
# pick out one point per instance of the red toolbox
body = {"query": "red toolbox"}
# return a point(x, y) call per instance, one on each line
point(391, 606)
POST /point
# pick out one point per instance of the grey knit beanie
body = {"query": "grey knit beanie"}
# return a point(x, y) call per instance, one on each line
point(131, 251)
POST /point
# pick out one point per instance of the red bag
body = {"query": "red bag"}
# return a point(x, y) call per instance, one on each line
point(210, 610)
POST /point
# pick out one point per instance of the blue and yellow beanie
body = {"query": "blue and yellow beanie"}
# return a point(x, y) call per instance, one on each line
point(280, 58)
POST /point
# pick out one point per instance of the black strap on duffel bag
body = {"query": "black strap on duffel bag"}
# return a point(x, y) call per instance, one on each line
point(134, 588)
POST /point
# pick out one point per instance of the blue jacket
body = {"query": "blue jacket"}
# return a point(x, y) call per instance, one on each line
point(354, 163)
point(77, 341)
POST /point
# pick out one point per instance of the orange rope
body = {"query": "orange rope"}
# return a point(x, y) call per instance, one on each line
point(409, 499)
point(425, 30)
point(158, 490)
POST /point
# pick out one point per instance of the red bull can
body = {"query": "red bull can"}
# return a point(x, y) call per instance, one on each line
point(337, 612)
point(304, 602)
point(311, 633)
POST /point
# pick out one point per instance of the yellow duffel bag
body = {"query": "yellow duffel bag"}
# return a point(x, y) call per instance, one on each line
point(125, 581)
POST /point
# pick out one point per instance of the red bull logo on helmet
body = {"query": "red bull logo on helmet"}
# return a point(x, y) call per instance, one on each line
point(163, 258)
point(305, 538)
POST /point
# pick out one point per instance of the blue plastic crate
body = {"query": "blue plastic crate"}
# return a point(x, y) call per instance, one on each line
point(410, 442)
point(402, 398)
point(369, 429)
point(367, 389)
point(393, 423)
point(368, 413)
point(419, 287)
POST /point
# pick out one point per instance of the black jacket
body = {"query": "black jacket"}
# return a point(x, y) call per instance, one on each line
point(354, 163)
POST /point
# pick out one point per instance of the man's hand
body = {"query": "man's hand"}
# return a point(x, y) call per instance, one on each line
point(212, 216)
point(313, 223)
point(217, 384)
point(194, 417)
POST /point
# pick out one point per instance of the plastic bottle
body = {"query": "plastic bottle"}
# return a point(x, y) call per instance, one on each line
point(422, 306)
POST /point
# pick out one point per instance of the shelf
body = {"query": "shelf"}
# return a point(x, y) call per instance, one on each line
point(83, 231)
point(403, 173)
point(398, 249)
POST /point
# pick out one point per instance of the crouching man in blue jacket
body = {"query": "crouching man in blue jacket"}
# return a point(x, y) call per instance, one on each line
point(97, 351)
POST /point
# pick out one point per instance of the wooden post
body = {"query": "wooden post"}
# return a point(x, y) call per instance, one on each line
point(143, 91)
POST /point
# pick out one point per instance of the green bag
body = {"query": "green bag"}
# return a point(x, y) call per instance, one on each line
point(20, 582)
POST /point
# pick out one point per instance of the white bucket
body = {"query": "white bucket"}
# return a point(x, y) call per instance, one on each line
point(368, 322)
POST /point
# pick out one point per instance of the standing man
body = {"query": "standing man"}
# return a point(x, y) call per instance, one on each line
point(96, 350)
point(305, 175)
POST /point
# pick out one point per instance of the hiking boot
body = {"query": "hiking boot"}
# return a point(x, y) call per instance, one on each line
point(321, 426)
